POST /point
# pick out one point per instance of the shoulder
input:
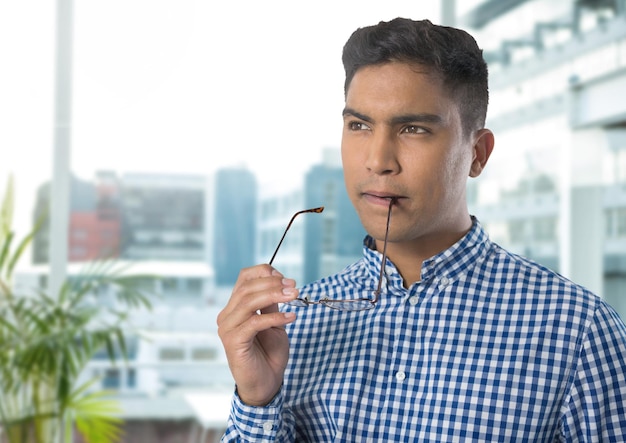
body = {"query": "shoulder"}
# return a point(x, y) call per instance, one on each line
point(525, 284)
point(522, 272)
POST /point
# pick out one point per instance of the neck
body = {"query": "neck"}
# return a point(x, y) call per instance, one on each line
point(409, 256)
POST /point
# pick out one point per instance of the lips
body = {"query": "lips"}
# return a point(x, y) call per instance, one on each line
point(380, 197)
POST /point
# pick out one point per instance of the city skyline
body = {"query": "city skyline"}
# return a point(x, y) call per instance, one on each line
point(179, 89)
point(165, 118)
point(215, 219)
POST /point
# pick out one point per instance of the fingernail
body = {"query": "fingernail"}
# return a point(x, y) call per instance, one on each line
point(289, 291)
point(290, 282)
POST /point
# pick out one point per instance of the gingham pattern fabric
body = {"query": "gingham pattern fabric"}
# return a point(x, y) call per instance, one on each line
point(487, 347)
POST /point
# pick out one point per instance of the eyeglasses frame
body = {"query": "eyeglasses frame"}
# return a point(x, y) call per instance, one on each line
point(335, 303)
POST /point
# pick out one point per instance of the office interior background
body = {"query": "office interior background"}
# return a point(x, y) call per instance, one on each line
point(181, 136)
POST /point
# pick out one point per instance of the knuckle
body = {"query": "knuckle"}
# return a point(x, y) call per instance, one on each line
point(260, 322)
point(255, 271)
point(220, 319)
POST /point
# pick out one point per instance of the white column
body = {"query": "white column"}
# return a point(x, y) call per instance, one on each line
point(582, 209)
point(448, 12)
point(60, 188)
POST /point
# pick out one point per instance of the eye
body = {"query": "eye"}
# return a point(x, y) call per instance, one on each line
point(357, 126)
point(413, 129)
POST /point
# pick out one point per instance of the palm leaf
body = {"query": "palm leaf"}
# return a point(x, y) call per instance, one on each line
point(96, 415)
point(46, 341)
point(22, 247)
point(6, 210)
point(5, 251)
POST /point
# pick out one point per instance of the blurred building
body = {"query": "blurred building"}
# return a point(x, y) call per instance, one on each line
point(276, 206)
point(555, 187)
point(94, 220)
point(163, 216)
point(334, 239)
point(135, 216)
point(233, 220)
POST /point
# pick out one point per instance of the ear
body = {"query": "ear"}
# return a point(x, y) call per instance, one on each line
point(483, 145)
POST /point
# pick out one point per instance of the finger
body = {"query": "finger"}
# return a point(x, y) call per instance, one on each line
point(254, 296)
point(244, 334)
point(263, 322)
point(261, 293)
point(289, 293)
point(264, 299)
point(254, 272)
point(244, 284)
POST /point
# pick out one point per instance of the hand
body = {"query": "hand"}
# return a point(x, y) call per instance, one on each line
point(252, 331)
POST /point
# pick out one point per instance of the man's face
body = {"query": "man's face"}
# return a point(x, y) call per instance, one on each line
point(402, 137)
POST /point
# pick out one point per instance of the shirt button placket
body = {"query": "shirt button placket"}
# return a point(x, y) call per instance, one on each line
point(443, 282)
point(414, 298)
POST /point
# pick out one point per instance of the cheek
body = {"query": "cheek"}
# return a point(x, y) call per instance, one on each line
point(347, 167)
point(440, 175)
point(455, 170)
point(352, 181)
point(350, 161)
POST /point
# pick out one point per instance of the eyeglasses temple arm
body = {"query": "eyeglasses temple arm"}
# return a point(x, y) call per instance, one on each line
point(317, 210)
point(382, 266)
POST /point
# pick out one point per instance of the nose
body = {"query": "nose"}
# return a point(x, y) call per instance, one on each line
point(382, 155)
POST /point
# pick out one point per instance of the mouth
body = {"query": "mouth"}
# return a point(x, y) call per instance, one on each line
point(381, 198)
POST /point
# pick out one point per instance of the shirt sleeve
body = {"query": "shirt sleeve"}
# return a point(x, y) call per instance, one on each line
point(271, 423)
point(596, 408)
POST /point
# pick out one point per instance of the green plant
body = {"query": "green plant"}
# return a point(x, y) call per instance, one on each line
point(46, 341)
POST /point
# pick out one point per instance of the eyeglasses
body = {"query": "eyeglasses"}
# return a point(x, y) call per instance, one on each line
point(357, 304)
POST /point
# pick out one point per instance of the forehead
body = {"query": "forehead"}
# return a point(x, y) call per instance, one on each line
point(398, 87)
point(394, 69)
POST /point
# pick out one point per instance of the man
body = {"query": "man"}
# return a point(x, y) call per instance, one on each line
point(463, 341)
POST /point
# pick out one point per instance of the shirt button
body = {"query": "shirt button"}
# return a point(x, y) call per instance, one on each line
point(268, 426)
point(400, 375)
point(444, 281)
point(413, 300)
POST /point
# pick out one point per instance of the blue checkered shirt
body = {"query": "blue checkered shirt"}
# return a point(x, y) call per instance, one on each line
point(486, 347)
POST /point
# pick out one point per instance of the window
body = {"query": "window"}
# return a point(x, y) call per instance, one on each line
point(111, 379)
point(517, 231)
point(170, 285)
point(328, 235)
point(171, 354)
point(204, 354)
point(544, 229)
point(194, 285)
point(616, 223)
point(79, 234)
point(131, 378)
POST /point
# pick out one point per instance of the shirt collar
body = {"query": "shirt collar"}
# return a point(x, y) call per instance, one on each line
point(449, 263)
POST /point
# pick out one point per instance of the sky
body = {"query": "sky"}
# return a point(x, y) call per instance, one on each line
point(180, 86)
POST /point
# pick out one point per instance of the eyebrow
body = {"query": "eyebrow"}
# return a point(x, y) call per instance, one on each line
point(400, 119)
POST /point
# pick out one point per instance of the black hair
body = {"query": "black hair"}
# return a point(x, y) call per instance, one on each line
point(451, 53)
